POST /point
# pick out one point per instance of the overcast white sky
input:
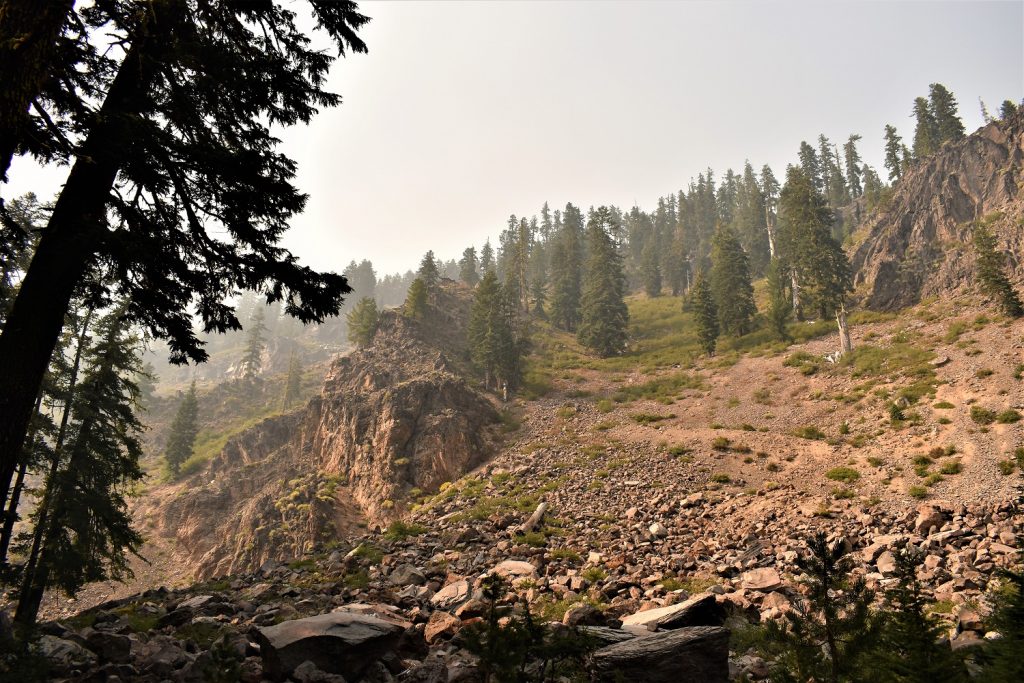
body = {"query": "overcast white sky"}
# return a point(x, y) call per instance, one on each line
point(465, 112)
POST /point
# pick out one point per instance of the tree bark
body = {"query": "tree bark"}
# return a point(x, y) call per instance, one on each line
point(74, 234)
point(845, 340)
point(29, 30)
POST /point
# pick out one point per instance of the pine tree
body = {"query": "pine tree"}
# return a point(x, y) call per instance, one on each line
point(469, 269)
point(853, 161)
point(893, 148)
point(991, 272)
point(730, 284)
point(538, 290)
point(255, 342)
point(428, 273)
point(604, 317)
point(705, 316)
point(944, 110)
point(362, 322)
point(184, 428)
point(651, 270)
point(779, 307)
point(416, 300)
point(828, 638)
point(926, 135)
point(293, 384)
point(1007, 109)
point(82, 524)
point(811, 164)
point(187, 202)
point(911, 647)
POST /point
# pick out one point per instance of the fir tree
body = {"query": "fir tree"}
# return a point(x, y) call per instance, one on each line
point(704, 315)
point(828, 637)
point(1001, 658)
point(893, 148)
point(991, 272)
point(730, 284)
point(362, 322)
point(492, 344)
point(293, 383)
point(486, 258)
point(651, 270)
point(185, 201)
point(926, 134)
point(428, 273)
point(82, 524)
point(817, 264)
point(853, 161)
point(469, 269)
point(604, 319)
point(416, 300)
point(566, 266)
point(944, 111)
point(538, 290)
point(811, 164)
point(255, 342)
point(184, 428)
point(911, 647)
point(1007, 109)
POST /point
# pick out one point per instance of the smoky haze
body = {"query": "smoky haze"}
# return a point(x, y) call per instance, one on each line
point(465, 112)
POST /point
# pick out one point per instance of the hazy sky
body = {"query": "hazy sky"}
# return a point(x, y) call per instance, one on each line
point(465, 112)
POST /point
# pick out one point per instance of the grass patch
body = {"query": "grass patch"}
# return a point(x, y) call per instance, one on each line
point(1008, 416)
point(399, 530)
point(1006, 467)
point(983, 416)
point(663, 389)
point(847, 475)
point(720, 478)
point(809, 432)
point(918, 492)
point(943, 405)
point(650, 418)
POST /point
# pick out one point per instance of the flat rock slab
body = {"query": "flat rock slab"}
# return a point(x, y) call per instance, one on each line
point(452, 595)
point(515, 569)
point(764, 579)
point(698, 654)
point(343, 643)
point(700, 610)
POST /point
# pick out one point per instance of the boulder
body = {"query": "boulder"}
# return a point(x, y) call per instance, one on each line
point(514, 569)
point(63, 655)
point(341, 643)
point(441, 624)
point(700, 610)
point(407, 575)
point(928, 516)
point(455, 593)
point(764, 579)
point(698, 654)
point(111, 647)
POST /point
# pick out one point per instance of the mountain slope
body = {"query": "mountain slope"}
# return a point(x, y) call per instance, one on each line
point(919, 245)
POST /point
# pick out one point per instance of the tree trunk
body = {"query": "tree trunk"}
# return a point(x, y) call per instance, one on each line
point(771, 233)
point(73, 236)
point(29, 30)
point(33, 585)
point(797, 311)
point(845, 340)
point(11, 513)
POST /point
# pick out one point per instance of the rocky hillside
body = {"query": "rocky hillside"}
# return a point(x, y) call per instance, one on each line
point(919, 244)
point(391, 421)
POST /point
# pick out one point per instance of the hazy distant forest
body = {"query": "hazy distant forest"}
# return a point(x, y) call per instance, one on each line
point(163, 245)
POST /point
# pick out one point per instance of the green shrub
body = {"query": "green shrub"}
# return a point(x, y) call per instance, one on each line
point(943, 405)
point(951, 467)
point(720, 478)
point(809, 432)
point(983, 416)
point(917, 492)
point(399, 530)
point(1006, 467)
point(1008, 416)
point(847, 475)
point(720, 443)
point(649, 418)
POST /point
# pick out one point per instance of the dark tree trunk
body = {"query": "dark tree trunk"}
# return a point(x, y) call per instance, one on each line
point(28, 46)
point(11, 514)
point(71, 239)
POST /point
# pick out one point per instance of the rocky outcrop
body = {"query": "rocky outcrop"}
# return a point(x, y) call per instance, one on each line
point(392, 420)
point(919, 243)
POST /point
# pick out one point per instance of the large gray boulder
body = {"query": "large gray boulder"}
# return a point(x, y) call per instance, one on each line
point(698, 654)
point(700, 610)
point(341, 643)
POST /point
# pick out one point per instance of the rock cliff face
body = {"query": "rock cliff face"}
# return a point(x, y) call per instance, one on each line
point(392, 418)
point(919, 245)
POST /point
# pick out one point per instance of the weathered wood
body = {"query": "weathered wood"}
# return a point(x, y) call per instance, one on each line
point(535, 518)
